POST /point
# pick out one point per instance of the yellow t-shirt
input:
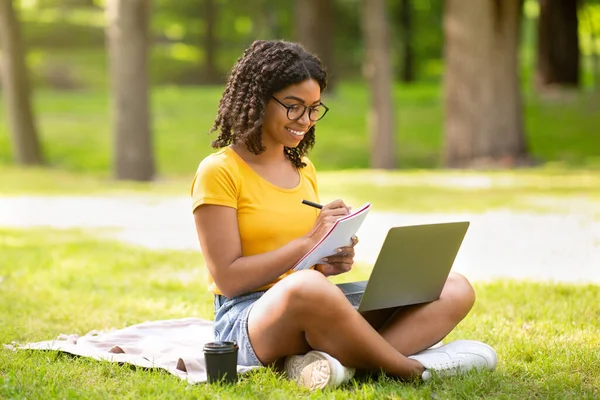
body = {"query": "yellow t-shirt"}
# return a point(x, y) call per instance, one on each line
point(268, 216)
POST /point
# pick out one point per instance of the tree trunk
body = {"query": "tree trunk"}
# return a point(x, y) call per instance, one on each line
point(378, 71)
point(314, 29)
point(557, 44)
point(15, 84)
point(407, 54)
point(210, 43)
point(594, 50)
point(270, 24)
point(128, 42)
point(483, 113)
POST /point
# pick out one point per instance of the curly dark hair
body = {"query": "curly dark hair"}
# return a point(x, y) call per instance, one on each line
point(265, 68)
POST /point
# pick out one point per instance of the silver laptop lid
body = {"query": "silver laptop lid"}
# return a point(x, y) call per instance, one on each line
point(413, 265)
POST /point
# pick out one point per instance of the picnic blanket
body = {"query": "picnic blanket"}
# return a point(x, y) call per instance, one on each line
point(174, 345)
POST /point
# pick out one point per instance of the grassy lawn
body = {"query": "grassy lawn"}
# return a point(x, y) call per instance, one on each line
point(52, 282)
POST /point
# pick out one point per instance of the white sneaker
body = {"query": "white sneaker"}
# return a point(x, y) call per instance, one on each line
point(317, 370)
point(455, 358)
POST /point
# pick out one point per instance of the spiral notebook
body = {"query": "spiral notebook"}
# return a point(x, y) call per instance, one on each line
point(339, 235)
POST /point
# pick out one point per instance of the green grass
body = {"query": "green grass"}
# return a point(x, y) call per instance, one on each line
point(52, 282)
point(75, 129)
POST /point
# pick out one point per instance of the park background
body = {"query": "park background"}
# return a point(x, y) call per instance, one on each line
point(488, 111)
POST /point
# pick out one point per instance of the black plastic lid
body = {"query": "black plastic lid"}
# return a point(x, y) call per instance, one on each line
point(220, 347)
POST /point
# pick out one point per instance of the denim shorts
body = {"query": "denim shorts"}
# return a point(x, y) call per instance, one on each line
point(231, 324)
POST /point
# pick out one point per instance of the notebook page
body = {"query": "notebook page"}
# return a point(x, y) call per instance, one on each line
point(339, 235)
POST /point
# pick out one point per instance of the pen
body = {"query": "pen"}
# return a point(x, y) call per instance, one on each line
point(312, 204)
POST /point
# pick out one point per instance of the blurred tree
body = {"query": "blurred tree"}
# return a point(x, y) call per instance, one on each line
point(404, 15)
point(75, 3)
point(60, 5)
point(188, 31)
point(128, 40)
point(15, 85)
point(314, 27)
point(483, 113)
point(272, 18)
point(378, 71)
point(417, 39)
point(349, 49)
point(557, 43)
point(210, 42)
point(589, 27)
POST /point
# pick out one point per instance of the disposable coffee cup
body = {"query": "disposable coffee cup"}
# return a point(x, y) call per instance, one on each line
point(221, 361)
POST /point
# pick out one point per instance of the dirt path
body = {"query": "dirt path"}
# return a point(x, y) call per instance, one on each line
point(557, 247)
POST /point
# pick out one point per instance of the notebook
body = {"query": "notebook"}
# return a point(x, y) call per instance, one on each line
point(339, 235)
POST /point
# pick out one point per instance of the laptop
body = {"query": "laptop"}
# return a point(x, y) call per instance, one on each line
point(411, 268)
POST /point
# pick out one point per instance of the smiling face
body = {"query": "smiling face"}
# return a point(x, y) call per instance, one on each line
point(277, 129)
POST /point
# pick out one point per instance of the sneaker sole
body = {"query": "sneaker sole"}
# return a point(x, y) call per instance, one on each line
point(490, 357)
point(311, 370)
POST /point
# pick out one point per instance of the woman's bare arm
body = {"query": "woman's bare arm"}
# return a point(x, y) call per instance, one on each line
point(219, 237)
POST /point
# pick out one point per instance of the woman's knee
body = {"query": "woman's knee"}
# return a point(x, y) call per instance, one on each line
point(460, 293)
point(304, 289)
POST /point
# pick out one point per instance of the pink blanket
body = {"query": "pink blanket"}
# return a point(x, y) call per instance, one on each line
point(173, 345)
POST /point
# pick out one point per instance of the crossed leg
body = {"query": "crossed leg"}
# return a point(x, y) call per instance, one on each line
point(305, 311)
point(414, 328)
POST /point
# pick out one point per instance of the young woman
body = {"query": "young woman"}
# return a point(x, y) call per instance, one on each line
point(252, 227)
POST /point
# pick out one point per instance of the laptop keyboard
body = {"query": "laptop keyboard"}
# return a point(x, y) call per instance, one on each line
point(355, 298)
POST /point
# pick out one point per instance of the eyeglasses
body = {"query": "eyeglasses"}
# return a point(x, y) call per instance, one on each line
point(296, 111)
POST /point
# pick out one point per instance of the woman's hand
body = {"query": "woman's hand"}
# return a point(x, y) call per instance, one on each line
point(329, 214)
point(339, 262)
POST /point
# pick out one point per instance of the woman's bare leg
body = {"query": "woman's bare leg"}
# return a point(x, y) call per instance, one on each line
point(415, 328)
point(305, 311)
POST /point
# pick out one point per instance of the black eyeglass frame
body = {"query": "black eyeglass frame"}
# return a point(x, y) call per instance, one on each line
point(288, 108)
